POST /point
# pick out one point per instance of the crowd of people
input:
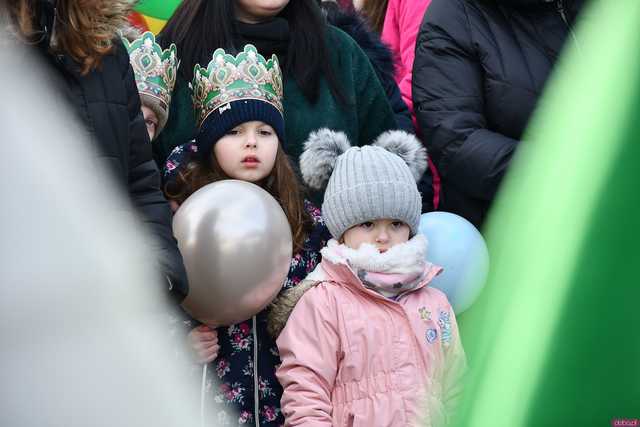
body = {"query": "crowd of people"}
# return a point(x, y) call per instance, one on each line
point(356, 116)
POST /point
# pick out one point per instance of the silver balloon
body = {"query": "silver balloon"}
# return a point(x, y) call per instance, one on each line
point(236, 243)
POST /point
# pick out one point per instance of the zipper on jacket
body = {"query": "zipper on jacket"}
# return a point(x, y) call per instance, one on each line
point(256, 391)
point(562, 11)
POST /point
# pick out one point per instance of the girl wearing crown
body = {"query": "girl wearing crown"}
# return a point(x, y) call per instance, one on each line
point(368, 342)
point(238, 103)
point(328, 80)
point(78, 46)
point(155, 71)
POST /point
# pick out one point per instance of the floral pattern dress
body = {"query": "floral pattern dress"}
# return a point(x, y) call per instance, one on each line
point(243, 372)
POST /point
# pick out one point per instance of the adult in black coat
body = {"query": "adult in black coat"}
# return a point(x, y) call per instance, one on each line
point(102, 90)
point(381, 57)
point(480, 67)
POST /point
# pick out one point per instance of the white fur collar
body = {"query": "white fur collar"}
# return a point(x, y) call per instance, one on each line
point(405, 258)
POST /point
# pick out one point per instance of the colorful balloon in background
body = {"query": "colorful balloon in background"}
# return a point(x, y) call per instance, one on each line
point(457, 246)
point(152, 15)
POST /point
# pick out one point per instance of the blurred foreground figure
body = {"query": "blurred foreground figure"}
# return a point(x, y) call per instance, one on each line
point(83, 62)
point(83, 336)
point(562, 295)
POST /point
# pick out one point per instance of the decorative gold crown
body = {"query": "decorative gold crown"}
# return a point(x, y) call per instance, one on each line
point(230, 78)
point(155, 69)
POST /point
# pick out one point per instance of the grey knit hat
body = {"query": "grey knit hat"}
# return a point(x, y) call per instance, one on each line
point(366, 183)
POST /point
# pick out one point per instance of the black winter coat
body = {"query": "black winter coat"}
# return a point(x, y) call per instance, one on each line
point(108, 103)
point(480, 67)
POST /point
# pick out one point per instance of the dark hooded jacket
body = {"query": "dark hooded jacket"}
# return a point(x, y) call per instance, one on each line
point(107, 103)
point(479, 70)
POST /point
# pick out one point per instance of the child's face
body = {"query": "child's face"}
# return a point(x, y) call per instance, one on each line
point(248, 151)
point(382, 233)
point(151, 120)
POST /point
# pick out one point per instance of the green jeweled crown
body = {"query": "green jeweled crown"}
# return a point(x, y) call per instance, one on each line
point(230, 78)
point(155, 69)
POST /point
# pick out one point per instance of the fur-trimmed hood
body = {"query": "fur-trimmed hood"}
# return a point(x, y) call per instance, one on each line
point(403, 258)
point(114, 15)
point(117, 15)
point(110, 16)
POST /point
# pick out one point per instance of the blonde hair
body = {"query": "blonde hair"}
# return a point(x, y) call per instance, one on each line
point(85, 29)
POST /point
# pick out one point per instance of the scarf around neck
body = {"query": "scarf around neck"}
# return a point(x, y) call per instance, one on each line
point(269, 38)
point(393, 273)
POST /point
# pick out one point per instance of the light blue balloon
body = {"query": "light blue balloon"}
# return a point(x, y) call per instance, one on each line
point(458, 247)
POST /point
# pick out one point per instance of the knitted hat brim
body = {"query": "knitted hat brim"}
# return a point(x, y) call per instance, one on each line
point(230, 115)
point(353, 206)
point(158, 106)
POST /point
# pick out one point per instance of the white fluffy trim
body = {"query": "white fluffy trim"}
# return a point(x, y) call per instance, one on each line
point(405, 258)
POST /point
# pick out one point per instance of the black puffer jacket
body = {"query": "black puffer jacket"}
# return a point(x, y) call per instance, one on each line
point(107, 102)
point(480, 67)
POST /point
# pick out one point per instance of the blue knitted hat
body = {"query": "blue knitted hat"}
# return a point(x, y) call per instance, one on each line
point(230, 115)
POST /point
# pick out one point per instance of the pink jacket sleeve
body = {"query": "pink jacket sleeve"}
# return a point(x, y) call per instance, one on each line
point(400, 30)
point(309, 347)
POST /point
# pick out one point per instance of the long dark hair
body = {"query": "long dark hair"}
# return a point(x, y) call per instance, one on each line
point(199, 27)
point(281, 183)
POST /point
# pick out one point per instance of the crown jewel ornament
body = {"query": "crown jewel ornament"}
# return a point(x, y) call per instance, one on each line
point(155, 69)
point(229, 78)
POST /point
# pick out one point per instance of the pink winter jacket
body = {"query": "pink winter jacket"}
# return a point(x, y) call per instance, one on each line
point(351, 357)
point(400, 30)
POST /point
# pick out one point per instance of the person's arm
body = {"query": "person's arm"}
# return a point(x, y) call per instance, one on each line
point(144, 190)
point(448, 97)
point(309, 347)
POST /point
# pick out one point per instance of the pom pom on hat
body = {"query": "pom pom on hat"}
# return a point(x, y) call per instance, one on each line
point(408, 148)
point(321, 152)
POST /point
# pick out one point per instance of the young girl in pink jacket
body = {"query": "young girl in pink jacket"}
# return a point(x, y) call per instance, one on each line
point(367, 342)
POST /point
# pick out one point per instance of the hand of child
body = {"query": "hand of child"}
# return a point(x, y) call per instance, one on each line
point(204, 342)
point(173, 205)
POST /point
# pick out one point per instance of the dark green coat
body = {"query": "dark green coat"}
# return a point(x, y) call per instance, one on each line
point(366, 115)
